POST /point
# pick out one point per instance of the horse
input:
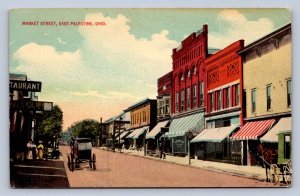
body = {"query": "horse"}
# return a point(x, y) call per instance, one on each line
point(267, 156)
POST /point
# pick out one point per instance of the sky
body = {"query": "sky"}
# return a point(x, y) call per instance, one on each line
point(98, 71)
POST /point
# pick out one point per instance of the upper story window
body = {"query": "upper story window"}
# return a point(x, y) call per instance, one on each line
point(194, 95)
point(253, 100)
point(167, 106)
point(211, 102)
point(289, 93)
point(219, 98)
point(268, 97)
point(182, 100)
point(201, 93)
point(188, 97)
point(176, 101)
point(226, 97)
point(236, 95)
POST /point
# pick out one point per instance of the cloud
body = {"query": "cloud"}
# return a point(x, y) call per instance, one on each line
point(234, 26)
point(87, 94)
point(111, 68)
point(60, 41)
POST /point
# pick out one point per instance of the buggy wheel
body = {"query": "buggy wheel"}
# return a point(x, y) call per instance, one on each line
point(94, 162)
point(72, 165)
point(76, 163)
point(274, 173)
point(69, 162)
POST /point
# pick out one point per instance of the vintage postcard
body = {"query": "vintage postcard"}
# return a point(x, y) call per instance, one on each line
point(153, 98)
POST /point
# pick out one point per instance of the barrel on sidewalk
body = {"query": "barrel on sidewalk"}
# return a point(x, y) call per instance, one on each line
point(39, 174)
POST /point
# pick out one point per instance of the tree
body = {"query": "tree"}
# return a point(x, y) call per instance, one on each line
point(87, 128)
point(49, 124)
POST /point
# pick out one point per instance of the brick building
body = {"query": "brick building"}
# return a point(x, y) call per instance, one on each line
point(223, 98)
point(188, 87)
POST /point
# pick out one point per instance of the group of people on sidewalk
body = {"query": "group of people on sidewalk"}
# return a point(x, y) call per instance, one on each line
point(33, 151)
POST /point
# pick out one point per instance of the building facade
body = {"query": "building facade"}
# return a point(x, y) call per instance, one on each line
point(188, 88)
point(224, 100)
point(142, 119)
point(188, 73)
point(268, 91)
point(164, 89)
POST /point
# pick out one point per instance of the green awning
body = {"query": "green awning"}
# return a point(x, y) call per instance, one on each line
point(193, 123)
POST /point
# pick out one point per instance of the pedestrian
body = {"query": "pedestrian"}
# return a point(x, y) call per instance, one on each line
point(29, 150)
point(160, 150)
point(40, 150)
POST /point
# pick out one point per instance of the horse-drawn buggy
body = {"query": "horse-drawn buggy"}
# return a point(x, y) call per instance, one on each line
point(81, 152)
point(279, 169)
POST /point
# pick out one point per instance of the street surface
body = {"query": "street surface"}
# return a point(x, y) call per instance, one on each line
point(124, 170)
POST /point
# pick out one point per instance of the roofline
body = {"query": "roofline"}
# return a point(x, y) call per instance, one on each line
point(138, 104)
point(269, 35)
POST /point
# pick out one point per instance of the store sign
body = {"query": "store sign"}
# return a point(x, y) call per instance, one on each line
point(179, 145)
point(25, 85)
point(31, 105)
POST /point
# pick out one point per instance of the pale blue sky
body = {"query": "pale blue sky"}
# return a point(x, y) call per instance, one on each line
point(94, 72)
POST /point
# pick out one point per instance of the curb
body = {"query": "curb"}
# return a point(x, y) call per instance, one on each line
point(212, 169)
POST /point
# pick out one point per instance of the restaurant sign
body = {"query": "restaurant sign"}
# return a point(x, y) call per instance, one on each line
point(31, 105)
point(21, 85)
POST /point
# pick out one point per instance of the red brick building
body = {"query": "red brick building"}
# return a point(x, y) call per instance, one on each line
point(188, 73)
point(223, 101)
point(224, 76)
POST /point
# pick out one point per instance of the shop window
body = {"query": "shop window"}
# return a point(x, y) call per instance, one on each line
point(268, 97)
point(289, 93)
point(253, 100)
point(287, 146)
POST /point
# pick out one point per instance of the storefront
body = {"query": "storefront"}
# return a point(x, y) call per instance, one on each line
point(214, 144)
point(247, 140)
point(179, 127)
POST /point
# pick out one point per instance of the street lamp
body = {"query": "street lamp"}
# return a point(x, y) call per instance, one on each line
point(189, 136)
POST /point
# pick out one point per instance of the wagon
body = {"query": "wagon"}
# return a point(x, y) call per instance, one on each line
point(282, 169)
point(81, 152)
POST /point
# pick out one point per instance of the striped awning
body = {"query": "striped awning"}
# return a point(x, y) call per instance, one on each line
point(124, 134)
point(284, 124)
point(214, 135)
point(253, 130)
point(179, 126)
point(137, 132)
point(156, 130)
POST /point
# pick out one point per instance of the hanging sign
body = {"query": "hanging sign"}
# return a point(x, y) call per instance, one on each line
point(20, 85)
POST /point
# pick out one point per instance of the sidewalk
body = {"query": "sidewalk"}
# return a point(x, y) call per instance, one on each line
point(39, 174)
point(253, 172)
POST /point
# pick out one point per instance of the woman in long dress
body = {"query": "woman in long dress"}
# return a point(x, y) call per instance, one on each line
point(29, 150)
point(40, 150)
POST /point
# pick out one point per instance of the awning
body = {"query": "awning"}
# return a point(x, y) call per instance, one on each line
point(137, 132)
point(214, 135)
point(179, 126)
point(124, 134)
point(253, 130)
point(284, 124)
point(153, 133)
